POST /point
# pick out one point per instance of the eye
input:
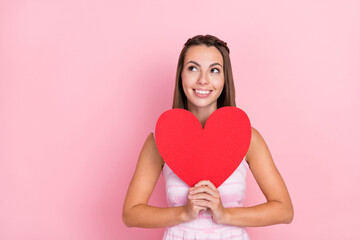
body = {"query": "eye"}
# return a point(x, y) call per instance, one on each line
point(215, 70)
point(192, 68)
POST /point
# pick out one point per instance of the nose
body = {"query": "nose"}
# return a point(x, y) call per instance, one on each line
point(203, 79)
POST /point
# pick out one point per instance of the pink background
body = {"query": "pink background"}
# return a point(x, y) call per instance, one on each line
point(82, 84)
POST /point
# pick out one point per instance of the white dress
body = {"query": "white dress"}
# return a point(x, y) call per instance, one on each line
point(232, 193)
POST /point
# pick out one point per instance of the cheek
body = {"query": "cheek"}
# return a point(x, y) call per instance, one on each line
point(184, 83)
point(219, 83)
point(186, 80)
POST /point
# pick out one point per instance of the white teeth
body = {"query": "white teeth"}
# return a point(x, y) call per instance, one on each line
point(202, 92)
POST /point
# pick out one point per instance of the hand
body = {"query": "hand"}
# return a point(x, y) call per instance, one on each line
point(191, 210)
point(205, 194)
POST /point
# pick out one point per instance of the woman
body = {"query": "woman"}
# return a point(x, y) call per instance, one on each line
point(204, 83)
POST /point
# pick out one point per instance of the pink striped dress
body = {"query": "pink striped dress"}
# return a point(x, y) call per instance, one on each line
point(232, 193)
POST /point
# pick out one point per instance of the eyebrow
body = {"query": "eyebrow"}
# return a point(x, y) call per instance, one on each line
point(197, 64)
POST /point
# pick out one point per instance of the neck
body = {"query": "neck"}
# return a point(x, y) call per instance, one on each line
point(202, 113)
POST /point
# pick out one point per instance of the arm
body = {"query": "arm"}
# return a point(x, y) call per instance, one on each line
point(136, 211)
point(277, 209)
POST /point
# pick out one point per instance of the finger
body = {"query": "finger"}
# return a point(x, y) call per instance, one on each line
point(201, 203)
point(205, 189)
point(206, 183)
point(202, 196)
point(199, 208)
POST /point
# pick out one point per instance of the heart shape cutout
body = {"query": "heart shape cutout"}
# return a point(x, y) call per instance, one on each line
point(211, 153)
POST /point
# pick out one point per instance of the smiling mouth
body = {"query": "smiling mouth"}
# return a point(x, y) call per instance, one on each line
point(202, 93)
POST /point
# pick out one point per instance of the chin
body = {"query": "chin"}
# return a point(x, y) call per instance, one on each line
point(203, 105)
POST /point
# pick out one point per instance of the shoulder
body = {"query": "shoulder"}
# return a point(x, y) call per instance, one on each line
point(256, 143)
point(150, 143)
point(255, 135)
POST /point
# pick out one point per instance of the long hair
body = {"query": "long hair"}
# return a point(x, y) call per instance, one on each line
point(227, 96)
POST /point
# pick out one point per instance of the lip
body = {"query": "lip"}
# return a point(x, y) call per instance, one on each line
point(202, 89)
point(202, 95)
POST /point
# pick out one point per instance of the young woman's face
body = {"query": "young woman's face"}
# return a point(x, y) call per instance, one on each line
point(203, 76)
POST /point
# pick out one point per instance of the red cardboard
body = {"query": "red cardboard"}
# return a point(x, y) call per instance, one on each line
point(211, 153)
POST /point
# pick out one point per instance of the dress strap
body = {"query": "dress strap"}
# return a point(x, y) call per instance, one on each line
point(153, 131)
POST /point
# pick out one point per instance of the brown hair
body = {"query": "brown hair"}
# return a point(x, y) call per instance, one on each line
point(227, 97)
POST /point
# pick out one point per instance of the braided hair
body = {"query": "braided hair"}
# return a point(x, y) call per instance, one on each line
point(207, 40)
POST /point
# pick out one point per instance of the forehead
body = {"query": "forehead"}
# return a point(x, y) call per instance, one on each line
point(204, 54)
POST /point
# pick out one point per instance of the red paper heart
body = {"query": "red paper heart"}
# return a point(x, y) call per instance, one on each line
point(196, 154)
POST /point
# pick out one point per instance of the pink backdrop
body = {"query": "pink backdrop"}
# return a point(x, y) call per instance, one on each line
point(82, 83)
